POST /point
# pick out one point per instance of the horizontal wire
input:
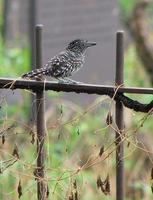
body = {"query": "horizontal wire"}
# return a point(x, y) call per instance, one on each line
point(9, 83)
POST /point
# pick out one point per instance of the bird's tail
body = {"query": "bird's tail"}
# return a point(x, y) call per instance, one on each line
point(35, 73)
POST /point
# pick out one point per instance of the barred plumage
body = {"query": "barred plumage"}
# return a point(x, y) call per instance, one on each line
point(64, 64)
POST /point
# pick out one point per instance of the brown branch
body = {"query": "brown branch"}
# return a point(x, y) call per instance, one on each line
point(111, 91)
point(8, 83)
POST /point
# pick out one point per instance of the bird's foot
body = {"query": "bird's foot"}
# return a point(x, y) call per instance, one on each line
point(63, 81)
point(68, 81)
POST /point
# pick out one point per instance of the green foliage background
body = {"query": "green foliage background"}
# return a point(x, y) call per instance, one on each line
point(65, 137)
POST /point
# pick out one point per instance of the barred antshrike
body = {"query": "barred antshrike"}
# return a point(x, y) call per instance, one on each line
point(65, 63)
point(71, 60)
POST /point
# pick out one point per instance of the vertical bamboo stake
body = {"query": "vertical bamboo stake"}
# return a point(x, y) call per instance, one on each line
point(119, 119)
point(40, 111)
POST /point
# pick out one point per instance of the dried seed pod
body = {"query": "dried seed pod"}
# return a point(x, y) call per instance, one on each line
point(101, 151)
point(152, 174)
point(75, 190)
point(3, 139)
point(47, 192)
point(78, 131)
point(104, 185)
point(16, 152)
point(109, 119)
point(19, 189)
point(128, 144)
point(107, 185)
point(61, 110)
point(32, 137)
point(99, 181)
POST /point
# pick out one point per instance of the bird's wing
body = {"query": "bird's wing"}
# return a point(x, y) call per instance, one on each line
point(60, 64)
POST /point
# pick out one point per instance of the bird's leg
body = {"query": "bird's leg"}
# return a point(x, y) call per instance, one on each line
point(67, 81)
point(72, 81)
point(61, 80)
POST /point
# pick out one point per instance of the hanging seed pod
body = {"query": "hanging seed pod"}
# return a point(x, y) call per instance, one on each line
point(99, 181)
point(101, 151)
point(16, 152)
point(47, 193)
point(109, 119)
point(152, 174)
point(107, 185)
point(3, 139)
point(75, 190)
point(19, 189)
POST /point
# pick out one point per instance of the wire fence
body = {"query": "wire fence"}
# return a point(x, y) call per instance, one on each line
point(115, 92)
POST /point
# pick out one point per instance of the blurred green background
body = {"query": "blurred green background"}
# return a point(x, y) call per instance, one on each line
point(75, 134)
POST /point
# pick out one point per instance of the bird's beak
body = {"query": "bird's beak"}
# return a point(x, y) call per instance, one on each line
point(89, 44)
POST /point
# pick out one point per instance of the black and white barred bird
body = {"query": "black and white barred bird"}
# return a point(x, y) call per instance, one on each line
point(65, 63)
